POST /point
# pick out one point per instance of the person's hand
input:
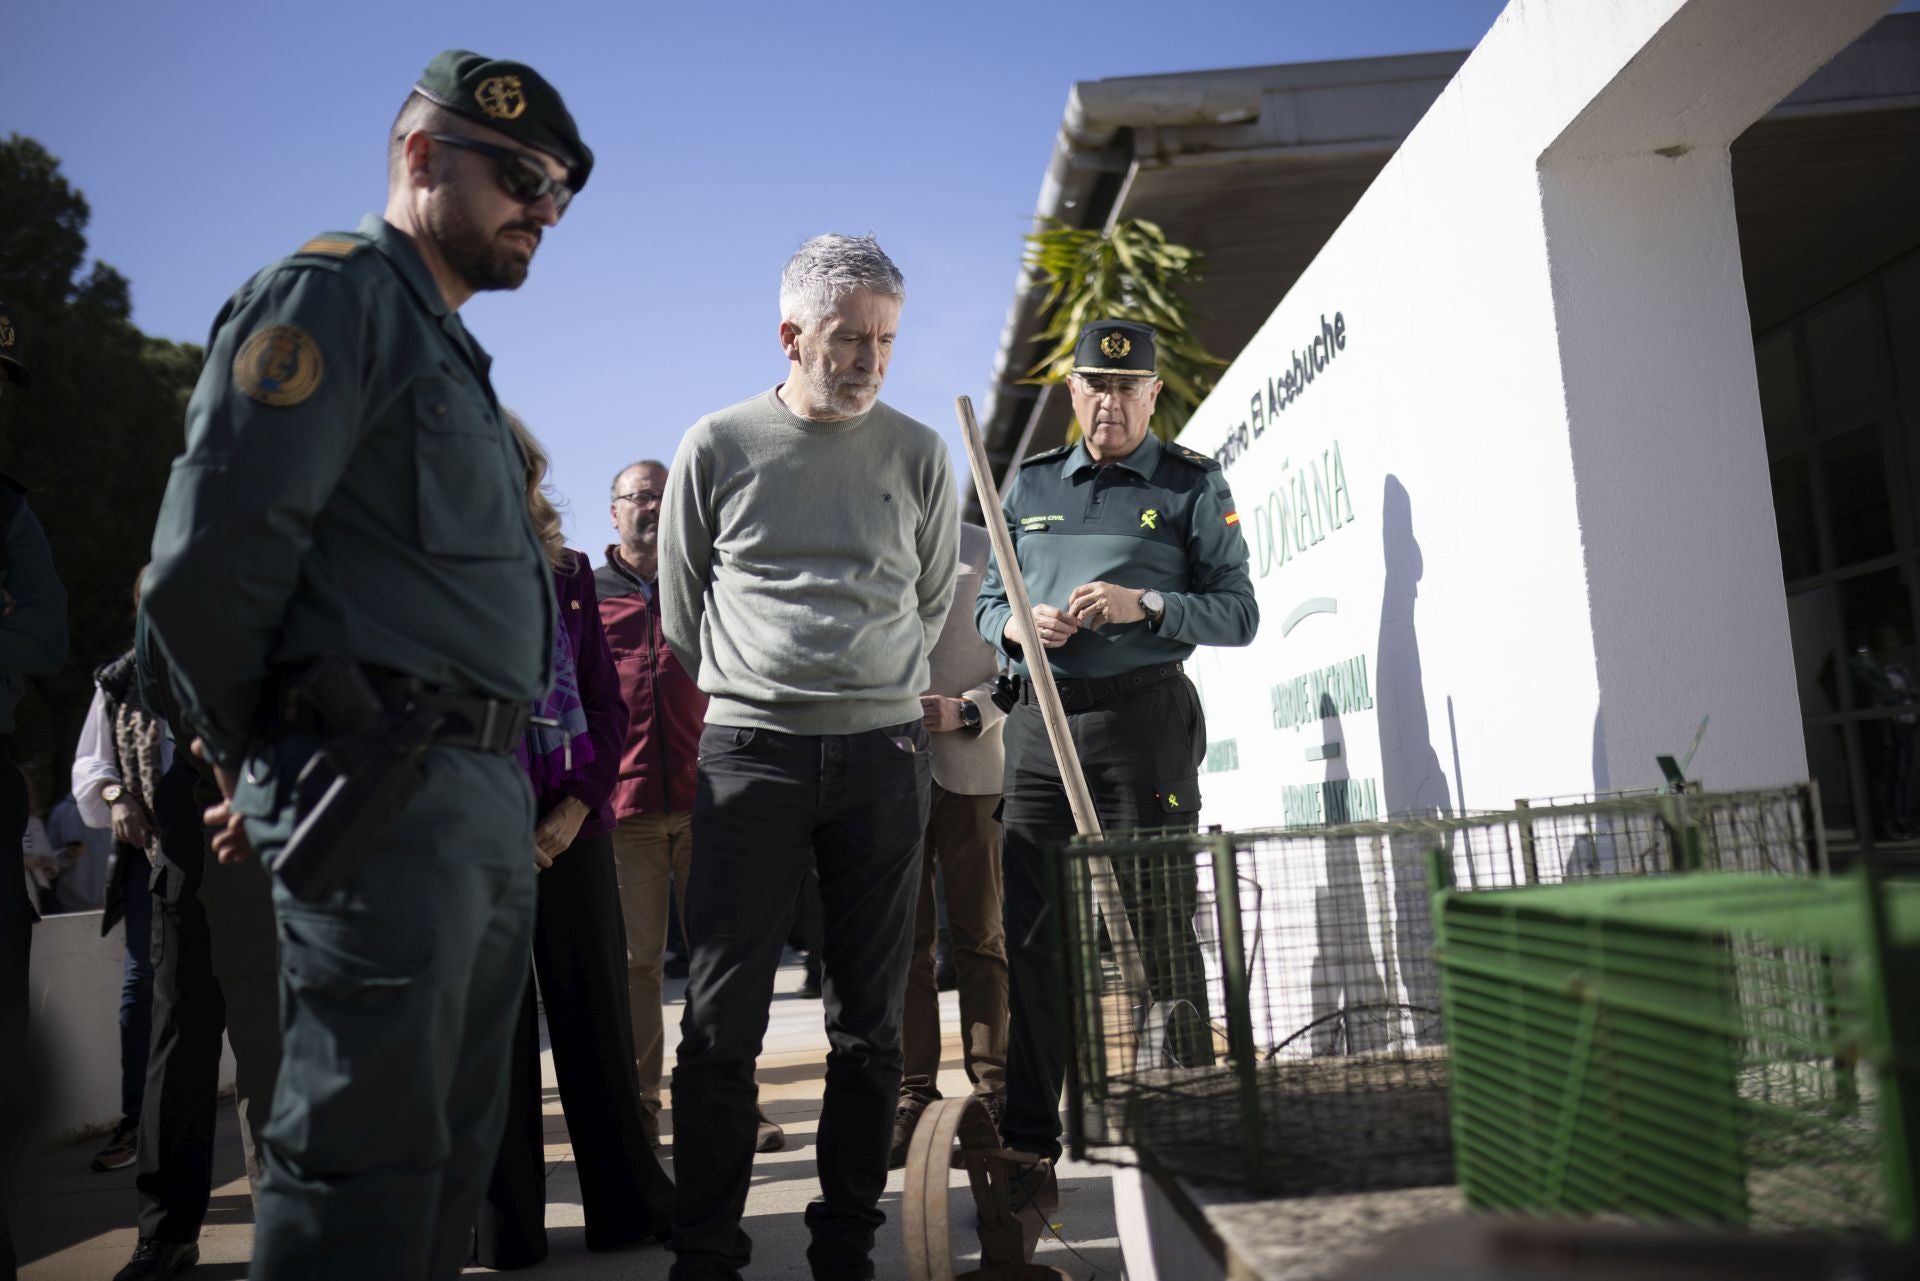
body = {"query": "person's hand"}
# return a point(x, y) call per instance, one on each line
point(230, 843)
point(6, 602)
point(940, 714)
point(1055, 628)
point(1097, 604)
point(42, 868)
point(557, 830)
point(130, 823)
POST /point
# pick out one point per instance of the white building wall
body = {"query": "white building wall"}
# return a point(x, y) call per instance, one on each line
point(74, 1025)
point(1561, 551)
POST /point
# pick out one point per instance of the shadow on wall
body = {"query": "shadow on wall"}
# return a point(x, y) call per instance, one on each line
point(1411, 780)
point(1350, 999)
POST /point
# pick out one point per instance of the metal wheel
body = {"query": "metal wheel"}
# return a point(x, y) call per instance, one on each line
point(1007, 1239)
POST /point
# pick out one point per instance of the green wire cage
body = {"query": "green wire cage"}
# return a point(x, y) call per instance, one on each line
point(1269, 1017)
point(1712, 1048)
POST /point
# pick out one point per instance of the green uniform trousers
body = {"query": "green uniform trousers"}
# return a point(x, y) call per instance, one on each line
point(398, 996)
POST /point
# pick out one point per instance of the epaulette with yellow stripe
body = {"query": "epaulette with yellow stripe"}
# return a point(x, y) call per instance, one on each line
point(333, 246)
point(1058, 451)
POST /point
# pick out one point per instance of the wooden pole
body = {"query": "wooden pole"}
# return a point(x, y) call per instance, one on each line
point(1106, 889)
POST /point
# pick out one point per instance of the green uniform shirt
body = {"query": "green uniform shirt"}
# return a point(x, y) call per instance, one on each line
point(349, 487)
point(1161, 517)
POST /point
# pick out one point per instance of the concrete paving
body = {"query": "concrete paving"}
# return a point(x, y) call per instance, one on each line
point(74, 1225)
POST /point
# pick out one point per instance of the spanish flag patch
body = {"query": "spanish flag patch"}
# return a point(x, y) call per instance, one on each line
point(1233, 518)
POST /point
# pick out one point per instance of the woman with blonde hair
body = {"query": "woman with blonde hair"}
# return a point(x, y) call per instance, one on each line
point(572, 755)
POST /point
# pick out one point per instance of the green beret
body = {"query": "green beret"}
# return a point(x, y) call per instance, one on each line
point(1115, 347)
point(10, 367)
point(510, 98)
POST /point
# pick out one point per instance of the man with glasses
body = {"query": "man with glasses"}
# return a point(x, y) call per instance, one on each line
point(1133, 555)
point(344, 552)
point(653, 799)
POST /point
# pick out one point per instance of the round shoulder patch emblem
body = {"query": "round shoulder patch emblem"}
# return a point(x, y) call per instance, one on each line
point(279, 365)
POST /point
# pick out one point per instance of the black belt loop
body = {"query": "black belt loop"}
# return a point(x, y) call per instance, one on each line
point(1078, 693)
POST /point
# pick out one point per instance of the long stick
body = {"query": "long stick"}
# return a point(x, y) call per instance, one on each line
point(1106, 889)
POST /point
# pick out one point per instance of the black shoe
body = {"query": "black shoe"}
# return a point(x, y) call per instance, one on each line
point(153, 1258)
point(676, 966)
point(906, 1118)
point(121, 1148)
point(810, 985)
point(768, 1137)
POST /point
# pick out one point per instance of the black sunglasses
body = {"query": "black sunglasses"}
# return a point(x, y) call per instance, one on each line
point(520, 176)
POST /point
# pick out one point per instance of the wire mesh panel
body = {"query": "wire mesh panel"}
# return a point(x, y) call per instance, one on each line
point(1717, 1048)
point(1282, 1028)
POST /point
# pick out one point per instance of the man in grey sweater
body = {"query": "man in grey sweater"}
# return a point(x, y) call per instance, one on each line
point(808, 544)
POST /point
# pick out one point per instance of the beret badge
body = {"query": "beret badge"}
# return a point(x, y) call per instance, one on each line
point(501, 97)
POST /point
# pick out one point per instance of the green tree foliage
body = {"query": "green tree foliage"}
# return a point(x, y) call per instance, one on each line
point(1130, 273)
point(92, 439)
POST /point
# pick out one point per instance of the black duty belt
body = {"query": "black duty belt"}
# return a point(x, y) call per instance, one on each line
point(467, 721)
point(1078, 693)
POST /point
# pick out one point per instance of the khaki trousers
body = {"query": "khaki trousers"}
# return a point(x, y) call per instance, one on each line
point(964, 839)
point(649, 852)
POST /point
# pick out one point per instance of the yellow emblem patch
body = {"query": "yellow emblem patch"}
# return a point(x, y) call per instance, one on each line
point(501, 97)
point(1115, 346)
point(280, 365)
point(1150, 518)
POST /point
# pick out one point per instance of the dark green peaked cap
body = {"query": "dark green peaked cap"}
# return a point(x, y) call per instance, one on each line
point(1115, 347)
point(10, 367)
point(510, 98)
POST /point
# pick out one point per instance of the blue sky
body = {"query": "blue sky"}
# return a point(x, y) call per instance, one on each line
point(211, 138)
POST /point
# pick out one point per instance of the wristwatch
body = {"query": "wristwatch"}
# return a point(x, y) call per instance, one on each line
point(113, 793)
point(1155, 604)
point(969, 714)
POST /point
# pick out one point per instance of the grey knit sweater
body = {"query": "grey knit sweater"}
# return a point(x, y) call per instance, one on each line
point(806, 568)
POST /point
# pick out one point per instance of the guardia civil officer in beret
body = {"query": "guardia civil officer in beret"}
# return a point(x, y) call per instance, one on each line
point(351, 492)
point(1133, 555)
point(33, 642)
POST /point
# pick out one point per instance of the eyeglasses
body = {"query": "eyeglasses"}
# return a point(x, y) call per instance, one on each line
point(521, 177)
point(1121, 388)
point(639, 498)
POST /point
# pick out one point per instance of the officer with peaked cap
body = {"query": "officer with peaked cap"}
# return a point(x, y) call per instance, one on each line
point(344, 573)
point(1133, 555)
point(33, 642)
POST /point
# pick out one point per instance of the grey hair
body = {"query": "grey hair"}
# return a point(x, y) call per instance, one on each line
point(830, 266)
point(613, 489)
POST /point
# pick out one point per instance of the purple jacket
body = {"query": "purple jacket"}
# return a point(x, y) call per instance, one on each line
point(599, 696)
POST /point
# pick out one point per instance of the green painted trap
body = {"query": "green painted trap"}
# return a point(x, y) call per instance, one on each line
point(1717, 1048)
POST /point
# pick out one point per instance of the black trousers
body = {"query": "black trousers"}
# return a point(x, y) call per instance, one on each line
point(16, 948)
point(1141, 753)
point(199, 995)
point(769, 805)
point(580, 956)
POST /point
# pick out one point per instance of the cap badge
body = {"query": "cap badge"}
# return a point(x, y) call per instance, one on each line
point(280, 365)
point(501, 97)
point(6, 334)
point(1115, 346)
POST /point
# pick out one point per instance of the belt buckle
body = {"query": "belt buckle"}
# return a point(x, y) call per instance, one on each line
point(1074, 694)
point(488, 721)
